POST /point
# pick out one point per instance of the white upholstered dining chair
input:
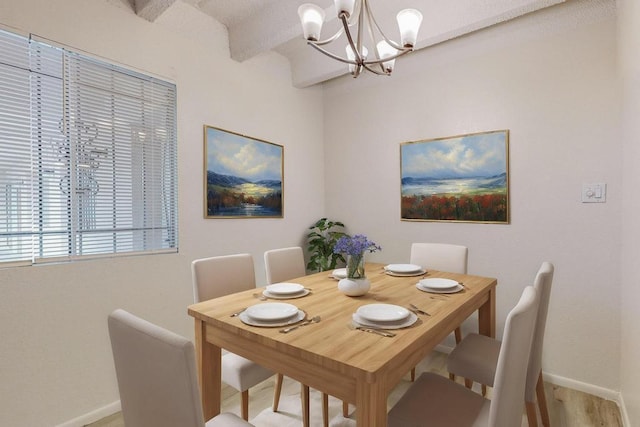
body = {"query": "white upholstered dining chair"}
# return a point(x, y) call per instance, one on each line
point(157, 376)
point(222, 275)
point(435, 401)
point(282, 265)
point(476, 357)
point(442, 257)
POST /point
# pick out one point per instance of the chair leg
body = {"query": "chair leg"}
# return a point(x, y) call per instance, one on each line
point(304, 391)
point(413, 374)
point(345, 409)
point(277, 389)
point(484, 390)
point(245, 405)
point(542, 401)
point(532, 415)
point(458, 335)
point(325, 409)
point(468, 383)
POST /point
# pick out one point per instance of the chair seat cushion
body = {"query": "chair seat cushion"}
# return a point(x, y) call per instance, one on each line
point(227, 420)
point(241, 373)
point(475, 358)
point(435, 401)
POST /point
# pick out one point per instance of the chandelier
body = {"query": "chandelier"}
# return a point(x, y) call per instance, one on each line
point(357, 13)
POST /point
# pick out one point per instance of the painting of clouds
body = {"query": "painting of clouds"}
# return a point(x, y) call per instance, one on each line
point(244, 176)
point(461, 178)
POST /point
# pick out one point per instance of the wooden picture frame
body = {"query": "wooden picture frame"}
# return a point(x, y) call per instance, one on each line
point(243, 176)
point(462, 178)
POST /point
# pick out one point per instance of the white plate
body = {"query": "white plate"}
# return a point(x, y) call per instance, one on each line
point(300, 294)
point(382, 312)
point(285, 288)
point(438, 283)
point(415, 273)
point(403, 268)
point(458, 288)
point(410, 320)
point(271, 311)
point(254, 322)
point(339, 273)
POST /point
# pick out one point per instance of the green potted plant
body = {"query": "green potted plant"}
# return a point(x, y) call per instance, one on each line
point(321, 241)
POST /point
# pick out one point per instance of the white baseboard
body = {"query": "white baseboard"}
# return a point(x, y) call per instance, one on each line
point(93, 416)
point(594, 390)
point(623, 413)
point(598, 391)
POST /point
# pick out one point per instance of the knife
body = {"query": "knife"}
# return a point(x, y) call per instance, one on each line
point(376, 331)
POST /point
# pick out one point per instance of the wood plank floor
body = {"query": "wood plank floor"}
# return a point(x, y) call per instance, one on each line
point(567, 408)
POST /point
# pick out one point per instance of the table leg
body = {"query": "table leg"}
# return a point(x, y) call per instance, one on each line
point(371, 405)
point(209, 371)
point(304, 392)
point(487, 315)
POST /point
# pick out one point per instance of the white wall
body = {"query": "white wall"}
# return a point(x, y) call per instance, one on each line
point(55, 357)
point(556, 90)
point(629, 47)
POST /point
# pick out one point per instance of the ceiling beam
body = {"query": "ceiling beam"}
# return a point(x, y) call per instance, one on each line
point(273, 26)
point(310, 67)
point(152, 9)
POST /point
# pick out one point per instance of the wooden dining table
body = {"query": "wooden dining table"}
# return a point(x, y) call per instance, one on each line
point(352, 365)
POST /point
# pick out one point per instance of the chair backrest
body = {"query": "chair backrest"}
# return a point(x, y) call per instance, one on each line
point(284, 264)
point(511, 371)
point(542, 283)
point(156, 371)
point(440, 256)
point(222, 275)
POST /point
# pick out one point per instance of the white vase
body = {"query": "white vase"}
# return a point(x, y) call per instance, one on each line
point(354, 287)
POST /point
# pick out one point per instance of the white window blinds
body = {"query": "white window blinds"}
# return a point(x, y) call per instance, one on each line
point(88, 162)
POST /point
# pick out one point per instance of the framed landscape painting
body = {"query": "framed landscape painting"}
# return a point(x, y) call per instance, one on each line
point(456, 179)
point(243, 176)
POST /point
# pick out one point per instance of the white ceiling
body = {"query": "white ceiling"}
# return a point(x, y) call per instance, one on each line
point(257, 26)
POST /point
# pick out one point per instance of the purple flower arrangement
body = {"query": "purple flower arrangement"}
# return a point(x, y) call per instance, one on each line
point(355, 248)
point(356, 245)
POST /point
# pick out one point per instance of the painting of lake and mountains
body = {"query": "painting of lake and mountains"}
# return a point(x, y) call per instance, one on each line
point(463, 178)
point(243, 176)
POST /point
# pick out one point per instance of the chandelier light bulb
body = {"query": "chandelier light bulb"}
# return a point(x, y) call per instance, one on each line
point(352, 57)
point(312, 18)
point(345, 6)
point(385, 50)
point(409, 21)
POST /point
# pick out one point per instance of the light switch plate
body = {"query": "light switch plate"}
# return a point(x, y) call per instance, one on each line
point(594, 193)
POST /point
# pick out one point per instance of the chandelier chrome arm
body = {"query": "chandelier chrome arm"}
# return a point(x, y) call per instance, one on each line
point(329, 54)
point(350, 13)
point(374, 23)
point(326, 41)
point(317, 45)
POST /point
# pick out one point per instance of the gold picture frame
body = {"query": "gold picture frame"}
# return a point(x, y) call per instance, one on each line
point(243, 176)
point(462, 178)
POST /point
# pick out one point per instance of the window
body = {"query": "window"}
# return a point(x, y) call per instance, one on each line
point(88, 162)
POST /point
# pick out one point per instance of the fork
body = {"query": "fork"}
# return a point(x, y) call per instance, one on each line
point(237, 313)
point(418, 310)
point(371, 330)
point(314, 319)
